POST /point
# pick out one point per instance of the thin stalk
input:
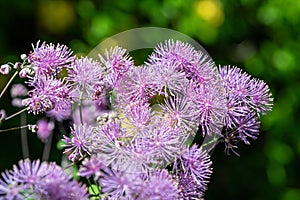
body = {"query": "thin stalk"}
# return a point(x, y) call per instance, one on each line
point(48, 144)
point(210, 142)
point(74, 163)
point(24, 139)
point(15, 114)
point(80, 107)
point(8, 83)
point(15, 128)
point(47, 148)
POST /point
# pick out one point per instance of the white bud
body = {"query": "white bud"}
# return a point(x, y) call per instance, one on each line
point(33, 128)
point(23, 73)
point(17, 65)
point(5, 69)
point(23, 56)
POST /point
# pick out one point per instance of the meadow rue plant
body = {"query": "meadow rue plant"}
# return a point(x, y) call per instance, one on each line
point(131, 127)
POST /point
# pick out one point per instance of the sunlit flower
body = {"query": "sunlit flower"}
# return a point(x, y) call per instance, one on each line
point(85, 75)
point(116, 62)
point(48, 59)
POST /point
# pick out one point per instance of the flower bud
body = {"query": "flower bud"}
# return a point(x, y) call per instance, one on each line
point(45, 129)
point(17, 65)
point(23, 73)
point(5, 69)
point(2, 114)
point(33, 128)
point(23, 56)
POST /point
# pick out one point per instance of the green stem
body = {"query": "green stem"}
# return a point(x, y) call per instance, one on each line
point(210, 142)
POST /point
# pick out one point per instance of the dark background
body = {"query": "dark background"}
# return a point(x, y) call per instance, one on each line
point(262, 37)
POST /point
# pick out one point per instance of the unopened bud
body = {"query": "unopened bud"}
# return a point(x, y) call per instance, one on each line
point(17, 65)
point(23, 73)
point(5, 69)
point(23, 56)
point(33, 128)
point(2, 115)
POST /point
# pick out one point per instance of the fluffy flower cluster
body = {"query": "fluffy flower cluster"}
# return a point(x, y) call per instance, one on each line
point(134, 126)
point(247, 99)
point(36, 180)
point(48, 91)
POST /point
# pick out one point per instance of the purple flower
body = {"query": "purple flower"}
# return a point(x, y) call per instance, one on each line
point(48, 59)
point(170, 80)
point(116, 62)
point(90, 166)
point(138, 114)
point(247, 99)
point(18, 90)
point(188, 188)
point(182, 55)
point(118, 185)
point(246, 127)
point(86, 75)
point(159, 185)
point(121, 185)
point(137, 85)
point(165, 142)
point(210, 101)
point(37, 180)
point(45, 128)
point(60, 115)
point(260, 96)
point(181, 113)
point(48, 94)
point(197, 164)
point(245, 91)
point(80, 142)
point(111, 146)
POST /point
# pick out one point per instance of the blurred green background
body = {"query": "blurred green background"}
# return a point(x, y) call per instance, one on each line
point(262, 37)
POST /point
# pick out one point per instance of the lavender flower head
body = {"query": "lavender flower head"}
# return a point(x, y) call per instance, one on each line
point(247, 100)
point(48, 59)
point(116, 63)
point(47, 94)
point(90, 166)
point(80, 143)
point(193, 172)
point(120, 185)
point(45, 129)
point(86, 76)
point(36, 180)
point(201, 83)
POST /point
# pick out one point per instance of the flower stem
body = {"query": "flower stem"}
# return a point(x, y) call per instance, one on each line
point(74, 163)
point(15, 114)
point(210, 142)
point(47, 148)
point(8, 83)
point(24, 140)
point(80, 107)
point(15, 128)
